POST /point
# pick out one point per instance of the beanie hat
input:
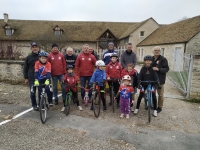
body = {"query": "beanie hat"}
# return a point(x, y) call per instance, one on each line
point(110, 43)
point(54, 45)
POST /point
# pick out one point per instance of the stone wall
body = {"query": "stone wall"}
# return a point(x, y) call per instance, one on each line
point(11, 70)
point(193, 46)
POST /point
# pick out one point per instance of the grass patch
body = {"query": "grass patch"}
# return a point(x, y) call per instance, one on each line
point(192, 100)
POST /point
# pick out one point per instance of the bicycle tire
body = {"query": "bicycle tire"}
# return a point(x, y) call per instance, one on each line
point(43, 109)
point(96, 104)
point(67, 104)
point(113, 101)
point(149, 107)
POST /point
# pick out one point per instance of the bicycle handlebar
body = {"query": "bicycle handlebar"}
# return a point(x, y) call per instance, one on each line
point(150, 82)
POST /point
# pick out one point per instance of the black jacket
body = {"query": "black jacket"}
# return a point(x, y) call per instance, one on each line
point(70, 60)
point(95, 55)
point(147, 74)
point(162, 63)
point(29, 64)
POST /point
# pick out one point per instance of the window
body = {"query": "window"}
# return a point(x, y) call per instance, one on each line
point(126, 40)
point(8, 32)
point(141, 33)
point(138, 52)
point(142, 53)
point(163, 51)
point(58, 31)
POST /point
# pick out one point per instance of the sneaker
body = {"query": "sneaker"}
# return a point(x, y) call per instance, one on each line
point(50, 104)
point(132, 109)
point(121, 116)
point(110, 104)
point(36, 108)
point(80, 108)
point(56, 103)
point(155, 113)
point(159, 110)
point(104, 108)
point(62, 109)
point(136, 111)
point(91, 108)
point(118, 106)
point(127, 116)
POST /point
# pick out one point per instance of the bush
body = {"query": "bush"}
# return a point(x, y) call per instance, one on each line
point(10, 55)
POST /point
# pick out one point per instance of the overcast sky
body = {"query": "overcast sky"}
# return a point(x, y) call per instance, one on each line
point(163, 11)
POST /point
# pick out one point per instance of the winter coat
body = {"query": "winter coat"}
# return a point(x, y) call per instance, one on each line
point(128, 57)
point(133, 75)
point(106, 56)
point(70, 79)
point(113, 70)
point(98, 76)
point(70, 60)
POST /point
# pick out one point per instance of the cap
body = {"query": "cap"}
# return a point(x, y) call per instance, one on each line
point(33, 44)
point(110, 43)
point(54, 45)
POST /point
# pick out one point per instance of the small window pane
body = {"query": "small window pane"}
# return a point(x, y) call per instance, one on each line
point(57, 32)
point(8, 32)
point(141, 33)
point(163, 51)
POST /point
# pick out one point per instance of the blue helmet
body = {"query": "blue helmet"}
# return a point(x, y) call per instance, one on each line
point(43, 54)
point(69, 66)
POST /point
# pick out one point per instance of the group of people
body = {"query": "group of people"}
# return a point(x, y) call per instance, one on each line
point(39, 67)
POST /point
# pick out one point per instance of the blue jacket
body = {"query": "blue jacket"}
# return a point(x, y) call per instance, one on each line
point(106, 56)
point(98, 76)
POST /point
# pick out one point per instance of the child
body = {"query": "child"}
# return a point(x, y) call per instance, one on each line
point(147, 74)
point(99, 76)
point(113, 71)
point(71, 78)
point(129, 70)
point(42, 75)
point(126, 94)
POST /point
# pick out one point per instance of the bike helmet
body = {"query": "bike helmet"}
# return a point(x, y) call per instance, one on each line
point(126, 77)
point(69, 66)
point(43, 54)
point(148, 57)
point(100, 63)
point(114, 55)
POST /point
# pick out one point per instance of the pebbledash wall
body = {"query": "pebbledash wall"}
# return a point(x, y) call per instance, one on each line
point(11, 70)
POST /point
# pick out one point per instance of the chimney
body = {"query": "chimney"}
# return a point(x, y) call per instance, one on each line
point(5, 17)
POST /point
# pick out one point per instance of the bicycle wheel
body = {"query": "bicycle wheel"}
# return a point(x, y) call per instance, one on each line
point(67, 104)
point(96, 104)
point(113, 101)
point(43, 109)
point(149, 107)
point(85, 101)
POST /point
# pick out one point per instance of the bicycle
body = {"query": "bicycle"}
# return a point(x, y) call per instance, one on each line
point(43, 105)
point(96, 102)
point(112, 92)
point(86, 97)
point(148, 97)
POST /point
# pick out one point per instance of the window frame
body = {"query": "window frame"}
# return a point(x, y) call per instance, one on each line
point(142, 33)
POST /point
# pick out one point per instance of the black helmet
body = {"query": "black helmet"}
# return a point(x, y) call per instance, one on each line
point(148, 57)
point(113, 55)
point(69, 66)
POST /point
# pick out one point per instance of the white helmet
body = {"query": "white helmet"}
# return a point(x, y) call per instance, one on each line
point(100, 63)
point(126, 77)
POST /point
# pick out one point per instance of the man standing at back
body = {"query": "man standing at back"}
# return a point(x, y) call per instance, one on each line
point(128, 56)
point(84, 67)
point(58, 69)
point(108, 53)
point(160, 65)
point(93, 53)
point(70, 57)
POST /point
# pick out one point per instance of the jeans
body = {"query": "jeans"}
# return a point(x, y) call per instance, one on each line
point(83, 82)
point(32, 94)
point(55, 83)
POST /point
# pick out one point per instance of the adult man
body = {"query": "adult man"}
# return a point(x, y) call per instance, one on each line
point(108, 53)
point(58, 69)
point(84, 67)
point(70, 57)
point(92, 52)
point(160, 65)
point(28, 72)
point(128, 56)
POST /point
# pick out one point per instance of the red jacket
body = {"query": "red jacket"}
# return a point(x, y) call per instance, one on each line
point(70, 80)
point(58, 63)
point(84, 65)
point(125, 72)
point(113, 70)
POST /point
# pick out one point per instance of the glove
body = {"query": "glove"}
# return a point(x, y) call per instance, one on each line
point(36, 83)
point(46, 82)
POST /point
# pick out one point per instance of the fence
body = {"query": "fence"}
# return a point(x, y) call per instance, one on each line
point(180, 73)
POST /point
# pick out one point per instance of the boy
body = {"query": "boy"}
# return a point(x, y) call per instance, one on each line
point(147, 74)
point(113, 71)
point(99, 76)
point(129, 70)
point(71, 78)
point(28, 72)
point(126, 95)
point(42, 75)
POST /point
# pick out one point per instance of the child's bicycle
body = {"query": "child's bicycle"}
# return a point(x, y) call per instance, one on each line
point(86, 97)
point(148, 97)
point(69, 98)
point(43, 104)
point(112, 92)
point(96, 101)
